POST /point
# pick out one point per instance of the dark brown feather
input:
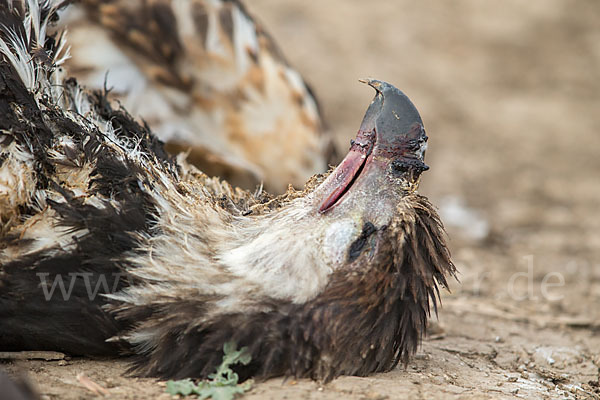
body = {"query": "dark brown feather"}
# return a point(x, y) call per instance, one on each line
point(371, 315)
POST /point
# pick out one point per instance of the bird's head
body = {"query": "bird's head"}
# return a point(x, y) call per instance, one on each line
point(376, 179)
point(387, 156)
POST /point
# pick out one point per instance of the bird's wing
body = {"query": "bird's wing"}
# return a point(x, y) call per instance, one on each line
point(206, 75)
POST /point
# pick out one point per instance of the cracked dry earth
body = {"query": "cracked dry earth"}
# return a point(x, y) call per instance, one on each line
point(509, 92)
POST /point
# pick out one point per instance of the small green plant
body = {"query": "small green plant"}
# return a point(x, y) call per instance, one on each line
point(223, 384)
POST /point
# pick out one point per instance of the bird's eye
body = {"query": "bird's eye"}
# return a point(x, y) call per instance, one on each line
point(399, 167)
point(402, 166)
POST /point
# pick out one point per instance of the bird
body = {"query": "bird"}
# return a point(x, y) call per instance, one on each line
point(209, 80)
point(112, 246)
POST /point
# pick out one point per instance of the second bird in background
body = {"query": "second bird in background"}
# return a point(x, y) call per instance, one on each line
point(208, 79)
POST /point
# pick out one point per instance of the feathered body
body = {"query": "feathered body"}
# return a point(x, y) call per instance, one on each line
point(206, 77)
point(160, 261)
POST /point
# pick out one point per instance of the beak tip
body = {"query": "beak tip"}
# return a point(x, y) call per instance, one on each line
point(378, 85)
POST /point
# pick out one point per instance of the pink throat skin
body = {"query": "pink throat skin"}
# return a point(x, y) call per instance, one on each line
point(350, 168)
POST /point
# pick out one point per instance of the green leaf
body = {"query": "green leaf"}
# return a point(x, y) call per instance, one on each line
point(221, 392)
point(223, 384)
point(184, 387)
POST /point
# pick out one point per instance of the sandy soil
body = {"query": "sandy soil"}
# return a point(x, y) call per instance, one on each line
point(510, 94)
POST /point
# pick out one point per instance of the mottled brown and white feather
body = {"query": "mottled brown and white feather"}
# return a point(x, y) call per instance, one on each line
point(204, 75)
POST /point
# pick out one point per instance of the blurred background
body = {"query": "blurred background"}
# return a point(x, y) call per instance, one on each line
point(510, 95)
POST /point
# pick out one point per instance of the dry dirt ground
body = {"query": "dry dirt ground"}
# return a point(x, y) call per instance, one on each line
point(510, 95)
